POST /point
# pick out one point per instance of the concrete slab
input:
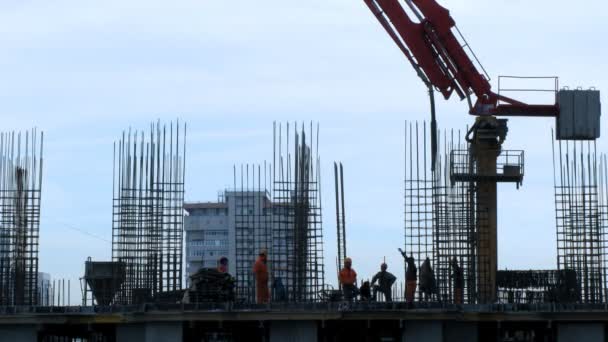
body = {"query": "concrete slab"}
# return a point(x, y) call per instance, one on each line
point(293, 331)
point(18, 333)
point(150, 332)
point(577, 332)
point(428, 331)
point(460, 331)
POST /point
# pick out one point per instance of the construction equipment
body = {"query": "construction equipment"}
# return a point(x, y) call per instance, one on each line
point(444, 61)
point(440, 58)
point(210, 285)
point(104, 279)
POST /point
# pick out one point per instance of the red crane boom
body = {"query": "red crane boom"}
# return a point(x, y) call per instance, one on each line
point(441, 61)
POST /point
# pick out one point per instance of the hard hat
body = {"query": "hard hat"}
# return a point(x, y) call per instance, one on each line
point(263, 251)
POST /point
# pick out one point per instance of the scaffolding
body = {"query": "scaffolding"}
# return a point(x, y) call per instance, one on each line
point(297, 231)
point(252, 223)
point(20, 190)
point(147, 227)
point(580, 213)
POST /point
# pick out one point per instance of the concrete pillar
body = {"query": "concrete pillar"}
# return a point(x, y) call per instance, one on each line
point(293, 331)
point(150, 332)
point(18, 333)
point(460, 331)
point(577, 332)
point(428, 331)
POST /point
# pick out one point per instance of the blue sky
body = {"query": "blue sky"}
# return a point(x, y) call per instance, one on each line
point(84, 71)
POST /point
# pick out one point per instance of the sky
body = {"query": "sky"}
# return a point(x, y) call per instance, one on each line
point(84, 71)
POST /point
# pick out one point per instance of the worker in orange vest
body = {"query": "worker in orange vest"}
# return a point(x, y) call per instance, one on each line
point(348, 280)
point(260, 270)
point(222, 265)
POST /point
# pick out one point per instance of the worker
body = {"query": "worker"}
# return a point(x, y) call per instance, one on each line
point(410, 277)
point(428, 284)
point(385, 282)
point(365, 292)
point(279, 293)
point(222, 265)
point(260, 270)
point(458, 279)
point(348, 280)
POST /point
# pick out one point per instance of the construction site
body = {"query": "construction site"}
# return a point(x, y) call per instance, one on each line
point(253, 265)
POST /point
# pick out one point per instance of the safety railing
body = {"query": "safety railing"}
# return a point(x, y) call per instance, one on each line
point(529, 89)
point(509, 167)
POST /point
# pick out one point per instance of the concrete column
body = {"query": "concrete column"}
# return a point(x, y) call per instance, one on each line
point(577, 332)
point(293, 331)
point(460, 331)
point(150, 332)
point(18, 333)
point(428, 331)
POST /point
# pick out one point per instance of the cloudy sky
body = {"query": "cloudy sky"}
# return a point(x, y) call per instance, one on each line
point(83, 71)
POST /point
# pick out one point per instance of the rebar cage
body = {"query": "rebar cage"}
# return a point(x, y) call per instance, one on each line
point(147, 227)
point(443, 216)
point(297, 229)
point(581, 202)
point(253, 221)
point(20, 191)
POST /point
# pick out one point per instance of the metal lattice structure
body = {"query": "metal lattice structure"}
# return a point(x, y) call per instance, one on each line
point(253, 223)
point(419, 195)
point(148, 215)
point(20, 190)
point(455, 233)
point(297, 231)
point(340, 214)
point(537, 286)
point(443, 216)
point(580, 212)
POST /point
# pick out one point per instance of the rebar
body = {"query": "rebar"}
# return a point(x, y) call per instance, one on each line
point(253, 223)
point(297, 231)
point(147, 229)
point(340, 214)
point(580, 213)
point(20, 190)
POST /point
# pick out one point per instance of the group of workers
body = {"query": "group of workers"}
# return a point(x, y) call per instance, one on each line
point(427, 286)
point(368, 291)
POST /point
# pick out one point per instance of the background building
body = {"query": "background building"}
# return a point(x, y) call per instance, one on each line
point(237, 226)
point(44, 289)
point(207, 235)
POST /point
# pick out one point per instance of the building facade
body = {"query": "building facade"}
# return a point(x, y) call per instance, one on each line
point(241, 224)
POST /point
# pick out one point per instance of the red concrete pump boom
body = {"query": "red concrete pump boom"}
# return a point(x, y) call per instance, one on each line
point(442, 62)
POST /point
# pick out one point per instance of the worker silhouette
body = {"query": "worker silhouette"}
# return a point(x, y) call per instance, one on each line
point(278, 290)
point(260, 270)
point(348, 280)
point(365, 292)
point(428, 284)
point(458, 280)
point(385, 282)
point(411, 277)
point(222, 265)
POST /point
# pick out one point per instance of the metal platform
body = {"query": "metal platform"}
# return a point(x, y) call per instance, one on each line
point(509, 167)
